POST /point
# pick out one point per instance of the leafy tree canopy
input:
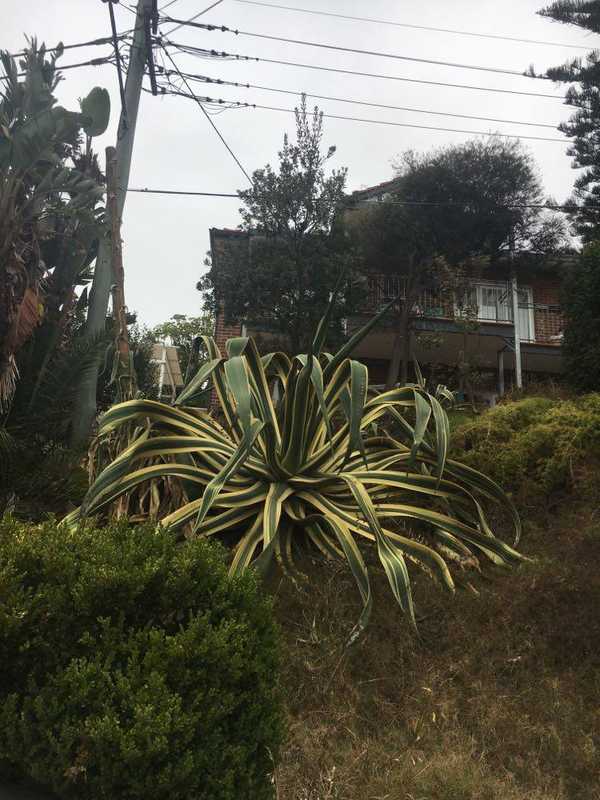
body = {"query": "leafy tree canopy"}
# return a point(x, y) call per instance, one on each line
point(458, 205)
point(470, 199)
point(297, 249)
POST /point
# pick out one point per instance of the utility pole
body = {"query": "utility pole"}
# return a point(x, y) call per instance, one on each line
point(85, 403)
point(124, 372)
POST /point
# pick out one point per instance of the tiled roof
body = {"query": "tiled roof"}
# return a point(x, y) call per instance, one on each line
point(229, 232)
point(373, 191)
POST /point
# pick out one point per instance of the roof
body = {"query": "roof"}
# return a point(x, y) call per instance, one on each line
point(227, 233)
point(375, 191)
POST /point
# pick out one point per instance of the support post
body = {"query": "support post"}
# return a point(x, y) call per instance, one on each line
point(501, 373)
point(85, 403)
point(163, 365)
point(125, 375)
point(515, 306)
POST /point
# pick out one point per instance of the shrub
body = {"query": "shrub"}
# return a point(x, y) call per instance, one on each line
point(314, 465)
point(40, 478)
point(131, 666)
point(536, 446)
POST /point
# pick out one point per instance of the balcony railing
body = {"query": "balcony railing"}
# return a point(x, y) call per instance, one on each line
point(486, 301)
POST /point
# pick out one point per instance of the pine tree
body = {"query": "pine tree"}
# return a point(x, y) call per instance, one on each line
point(581, 304)
point(583, 94)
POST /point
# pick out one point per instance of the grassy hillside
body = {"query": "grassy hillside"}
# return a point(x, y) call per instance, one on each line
point(498, 699)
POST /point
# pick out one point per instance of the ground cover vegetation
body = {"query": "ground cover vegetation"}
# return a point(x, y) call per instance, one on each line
point(497, 698)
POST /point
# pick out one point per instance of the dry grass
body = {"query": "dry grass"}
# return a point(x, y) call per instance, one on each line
point(498, 700)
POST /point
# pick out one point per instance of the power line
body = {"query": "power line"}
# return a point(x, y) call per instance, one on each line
point(237, 104)
point(115, 40)
point(94, 62)
point(190, 21)
point(166, 5)
point(407, 25)
point(339, 48)
point(61, 46)
point(350, 201)
point(219, 81)
point(191, 50)
point(207, 115)
point(174, 191)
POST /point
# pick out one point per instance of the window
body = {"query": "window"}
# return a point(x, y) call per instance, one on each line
point(493, 303)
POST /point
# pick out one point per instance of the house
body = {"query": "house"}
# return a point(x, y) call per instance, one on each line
point(489, 345)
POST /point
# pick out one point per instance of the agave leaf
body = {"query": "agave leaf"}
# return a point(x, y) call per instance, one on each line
point(247, 547)
point(197, 382)
point(270, 526)
point(390, 557)
point(229, 469)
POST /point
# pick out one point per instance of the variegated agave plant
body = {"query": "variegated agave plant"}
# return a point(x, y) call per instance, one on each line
point(312, 465)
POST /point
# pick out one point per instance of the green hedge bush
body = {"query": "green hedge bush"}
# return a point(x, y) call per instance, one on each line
point(131, 666)
point(536, 447)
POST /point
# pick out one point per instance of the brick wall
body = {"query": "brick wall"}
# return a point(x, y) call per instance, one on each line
point(224, 332)
point(548, 317)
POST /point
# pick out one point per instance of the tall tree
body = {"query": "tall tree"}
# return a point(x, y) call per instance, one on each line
point(583, 94)
point(297, 248)
point(448, 209)
point(581, 304)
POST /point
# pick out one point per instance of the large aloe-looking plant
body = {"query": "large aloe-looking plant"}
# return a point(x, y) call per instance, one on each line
point(49, 206)
point(312, 462)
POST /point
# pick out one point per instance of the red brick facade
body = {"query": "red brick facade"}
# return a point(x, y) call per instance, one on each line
point(549, 321)
point(224, 332)
point(541, 353)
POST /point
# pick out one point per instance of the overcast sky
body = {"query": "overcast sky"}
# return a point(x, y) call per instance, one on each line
point(165, 237)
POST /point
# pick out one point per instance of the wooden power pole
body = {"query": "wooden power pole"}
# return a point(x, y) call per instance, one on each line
point(85, 405)
point(124, 373)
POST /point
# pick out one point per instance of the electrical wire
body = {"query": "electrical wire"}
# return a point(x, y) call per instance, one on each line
point(339, 48)
point(407, 25)
point(350, 201)
point(115, 40)
point(202, 53)
point(166, 5)
point(219, 81)
point(191, 20)
point(91, 43)
point(220, 101)
point(193, 194)
point(94, 62)
point(217, 131)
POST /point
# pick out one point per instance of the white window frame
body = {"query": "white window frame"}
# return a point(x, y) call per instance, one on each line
point(479, 285)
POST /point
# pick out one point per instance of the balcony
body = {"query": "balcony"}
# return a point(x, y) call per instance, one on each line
point(489, 303)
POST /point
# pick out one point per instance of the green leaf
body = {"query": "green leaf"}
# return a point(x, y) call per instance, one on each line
point(96, 108)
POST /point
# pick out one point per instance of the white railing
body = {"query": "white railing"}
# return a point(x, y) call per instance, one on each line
point(486, 301)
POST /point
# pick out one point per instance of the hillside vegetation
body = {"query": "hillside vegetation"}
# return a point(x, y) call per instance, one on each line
point(537, 448)
point(498, 698)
